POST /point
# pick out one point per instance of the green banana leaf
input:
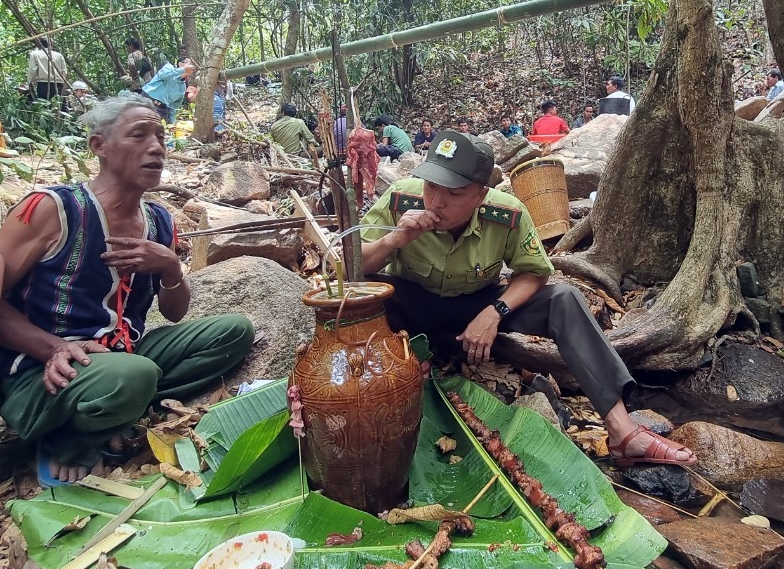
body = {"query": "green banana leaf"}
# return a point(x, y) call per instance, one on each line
point(508, 534)
point(246, 437)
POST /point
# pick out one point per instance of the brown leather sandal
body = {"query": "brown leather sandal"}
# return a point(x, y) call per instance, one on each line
point(659, 451)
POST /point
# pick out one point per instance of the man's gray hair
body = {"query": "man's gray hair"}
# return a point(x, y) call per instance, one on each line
point(102, 117)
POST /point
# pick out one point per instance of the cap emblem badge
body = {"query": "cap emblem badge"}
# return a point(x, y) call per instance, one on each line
point(446, 148)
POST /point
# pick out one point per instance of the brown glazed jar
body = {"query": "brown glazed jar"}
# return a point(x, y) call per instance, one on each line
point(361, 392)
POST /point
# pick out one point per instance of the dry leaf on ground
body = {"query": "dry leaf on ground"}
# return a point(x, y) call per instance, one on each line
point(187, 479)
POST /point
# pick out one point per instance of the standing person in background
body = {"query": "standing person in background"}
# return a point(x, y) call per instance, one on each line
point(46, 71)
point(774, 83)
point(394, 140)
point(508, 129)
point(549, 122)
point(585, 118)
point(614, 87)
point(425, 136)
point(339, 130)
point(139, 67)
point(167, 88)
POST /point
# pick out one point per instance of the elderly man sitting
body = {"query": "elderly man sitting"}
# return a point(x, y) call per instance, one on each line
point(82, 265)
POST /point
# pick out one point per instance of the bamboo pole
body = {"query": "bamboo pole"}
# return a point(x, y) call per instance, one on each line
point(495, 17)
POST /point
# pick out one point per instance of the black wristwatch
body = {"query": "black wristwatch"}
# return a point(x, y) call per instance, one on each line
point(501, 308)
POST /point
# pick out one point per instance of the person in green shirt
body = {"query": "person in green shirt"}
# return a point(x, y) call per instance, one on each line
point(453, 237)
point(292, 133)
point(394, 140)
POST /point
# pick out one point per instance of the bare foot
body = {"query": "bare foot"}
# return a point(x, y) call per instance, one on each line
point(71, 474)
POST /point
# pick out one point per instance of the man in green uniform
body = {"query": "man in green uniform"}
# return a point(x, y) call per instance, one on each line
point(292, 133)
point(394, 140)
point(452, 239)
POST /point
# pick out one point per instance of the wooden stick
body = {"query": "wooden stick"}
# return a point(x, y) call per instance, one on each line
point(481, 494)
point(470, 505)
point(244, 112)
point(125, 515)
point(299, 171)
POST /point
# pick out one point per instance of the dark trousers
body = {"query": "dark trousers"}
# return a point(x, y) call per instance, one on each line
point(388, 150)
point(555, 311)
point(48, 90)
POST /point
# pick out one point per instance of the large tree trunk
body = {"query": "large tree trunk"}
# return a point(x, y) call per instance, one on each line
point(689, 191)
point(292, 36)
point(220, 37)
point(774, 14)
point(190, 37)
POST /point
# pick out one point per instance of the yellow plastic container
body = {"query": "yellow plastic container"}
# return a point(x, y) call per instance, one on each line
point(183, 129)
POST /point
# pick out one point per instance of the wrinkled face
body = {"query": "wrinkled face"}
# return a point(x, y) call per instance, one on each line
point(455, 206)
point(588, 112)
point(133, 151)
point(80, 93)
point(506, 122)
point(462, 127)
point(770, 80)
point(427, 127)
point(610, 88)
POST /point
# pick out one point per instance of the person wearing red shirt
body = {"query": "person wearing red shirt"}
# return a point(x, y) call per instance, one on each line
point(549, 122)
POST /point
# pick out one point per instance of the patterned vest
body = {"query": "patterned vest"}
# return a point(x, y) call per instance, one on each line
point(71, 292)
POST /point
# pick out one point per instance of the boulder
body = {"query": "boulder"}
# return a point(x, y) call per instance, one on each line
point(387, 175)
point(270, 296)
point(585, 152)
point(237, 183)
point(503, 148)
point(284, 246)
point(496, 177)
point(407, 162)
point(728, 458)
point(703, 543)
point(749, 108)
point(526, 153)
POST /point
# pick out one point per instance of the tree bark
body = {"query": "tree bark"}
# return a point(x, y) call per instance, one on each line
point(774, 14)
point(292, 36)
point(690, 190)
point(190, 36)
point(220, 37)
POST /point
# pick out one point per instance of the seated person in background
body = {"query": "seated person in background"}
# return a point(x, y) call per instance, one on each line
point(774, 83)
point(292, 133)
point(585, 118)
point(454, 235)
point(508, 129)
point(77, 368)
point(614, 87)
point(79, 102)
point(463, 126)
point(167, 87)
point(425, 136)
point(549, 122)
point(394, 140)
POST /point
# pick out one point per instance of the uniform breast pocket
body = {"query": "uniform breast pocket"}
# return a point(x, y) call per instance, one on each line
point(416, 268)
point(481, 275)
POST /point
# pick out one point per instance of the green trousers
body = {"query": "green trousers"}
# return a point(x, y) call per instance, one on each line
point(114, 391)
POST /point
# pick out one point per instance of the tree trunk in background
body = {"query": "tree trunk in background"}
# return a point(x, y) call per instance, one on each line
point(290, 48)
point(119, 66)
point(690, 190)
point(190, 37)
point(774, 14)
point(220, 38)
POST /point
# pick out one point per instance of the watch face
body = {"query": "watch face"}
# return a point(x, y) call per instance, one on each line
point(502, 308)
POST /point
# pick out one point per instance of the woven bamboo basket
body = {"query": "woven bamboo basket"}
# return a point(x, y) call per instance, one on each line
point(541, 185)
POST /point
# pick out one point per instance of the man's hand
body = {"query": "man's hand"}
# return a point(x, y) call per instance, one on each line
point(58, 372)
point(411, 225)
point(479, 335)
point(130, 255)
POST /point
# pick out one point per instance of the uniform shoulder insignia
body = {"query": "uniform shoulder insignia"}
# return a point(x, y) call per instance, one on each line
point(398, 201)
point(506, 216)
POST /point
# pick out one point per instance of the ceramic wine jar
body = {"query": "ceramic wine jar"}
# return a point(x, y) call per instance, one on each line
point(361, 393)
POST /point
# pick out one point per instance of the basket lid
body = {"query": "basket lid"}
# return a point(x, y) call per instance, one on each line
point(535, 163)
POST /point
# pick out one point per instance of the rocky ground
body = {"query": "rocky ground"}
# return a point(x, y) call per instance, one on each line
point(728, 412)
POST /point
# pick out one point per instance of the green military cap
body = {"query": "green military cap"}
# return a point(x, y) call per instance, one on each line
point(455, 160)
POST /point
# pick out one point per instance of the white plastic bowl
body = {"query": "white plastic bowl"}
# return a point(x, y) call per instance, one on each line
point(251, 551)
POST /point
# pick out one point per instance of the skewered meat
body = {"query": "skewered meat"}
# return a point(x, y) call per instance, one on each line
point(587, 556)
